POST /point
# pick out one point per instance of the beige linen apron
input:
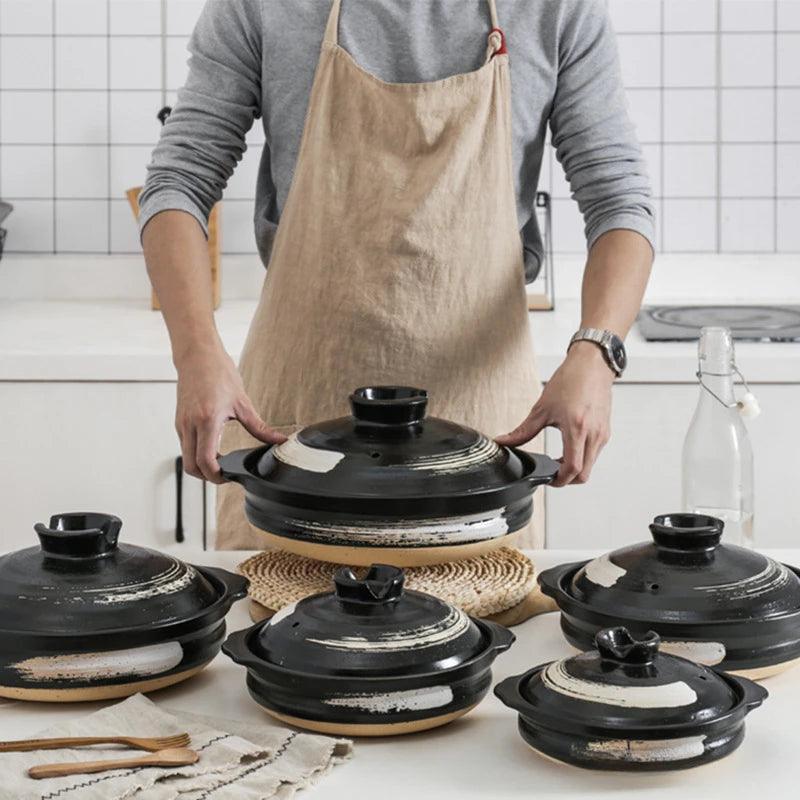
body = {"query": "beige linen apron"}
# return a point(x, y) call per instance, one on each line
point(397, 260)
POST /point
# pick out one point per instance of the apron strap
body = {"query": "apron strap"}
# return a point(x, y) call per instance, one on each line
point(496, 44)
point(332, 28)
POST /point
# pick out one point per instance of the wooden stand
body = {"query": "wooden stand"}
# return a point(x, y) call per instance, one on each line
point(213, 246)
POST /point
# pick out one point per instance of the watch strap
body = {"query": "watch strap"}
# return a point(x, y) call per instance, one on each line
point(602, 338)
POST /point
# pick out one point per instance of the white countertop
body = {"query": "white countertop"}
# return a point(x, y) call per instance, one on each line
point(49, 332)
point(482, 755)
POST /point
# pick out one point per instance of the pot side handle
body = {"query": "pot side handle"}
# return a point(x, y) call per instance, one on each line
point(507, 691)
point(235, 647)
point(544, 471)
point(550, 579)
point(502, 637)
point(235, 584)
point(754, 693)
point(232, 465)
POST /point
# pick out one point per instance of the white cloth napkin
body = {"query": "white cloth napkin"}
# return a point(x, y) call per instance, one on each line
point(237, 760)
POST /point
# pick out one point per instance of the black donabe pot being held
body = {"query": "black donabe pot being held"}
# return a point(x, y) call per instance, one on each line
point(715, 603)
point(626, 706)
point(369, 659)
point(85, 618)
point(388, 483)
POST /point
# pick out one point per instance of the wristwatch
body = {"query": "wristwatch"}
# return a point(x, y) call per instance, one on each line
point(611, 345)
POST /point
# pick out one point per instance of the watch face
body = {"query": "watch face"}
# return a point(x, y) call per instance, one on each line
point(618, 353)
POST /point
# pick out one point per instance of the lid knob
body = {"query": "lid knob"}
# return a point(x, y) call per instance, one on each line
point(695, 533)
point(389, 405)
point(382, 584)
point(617, 645)
point(79, 535)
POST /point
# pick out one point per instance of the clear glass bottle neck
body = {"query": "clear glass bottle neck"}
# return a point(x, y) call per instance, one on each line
point(716, 365)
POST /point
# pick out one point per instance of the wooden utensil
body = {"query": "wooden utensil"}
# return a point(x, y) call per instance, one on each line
point(175, 757)
point(151, 743)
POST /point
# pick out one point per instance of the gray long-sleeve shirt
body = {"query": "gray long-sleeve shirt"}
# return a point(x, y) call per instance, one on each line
point(256, 58)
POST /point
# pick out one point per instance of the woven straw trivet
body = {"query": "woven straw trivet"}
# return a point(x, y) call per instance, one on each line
point(500, 586)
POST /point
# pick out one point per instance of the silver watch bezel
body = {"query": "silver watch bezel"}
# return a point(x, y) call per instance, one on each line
point(605, 340)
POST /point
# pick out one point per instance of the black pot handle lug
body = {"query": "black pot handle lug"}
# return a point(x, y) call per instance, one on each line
point(754, 693)
point(381, 585)
point(507, 691)
point(235, 584)
point(618, 646)
point(545, 470)
point(235, 647)
point(82, 535)
point(502, 637)
point(232, 465)
point(550, 579)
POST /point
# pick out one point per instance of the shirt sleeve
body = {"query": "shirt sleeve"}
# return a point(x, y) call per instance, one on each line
point(595, 141)
point(204, 136)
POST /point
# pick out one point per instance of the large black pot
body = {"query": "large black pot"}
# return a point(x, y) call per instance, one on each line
point(85, 618)
point(369, 659)
point(626, 706)
point(388, 483)
point(714, 603)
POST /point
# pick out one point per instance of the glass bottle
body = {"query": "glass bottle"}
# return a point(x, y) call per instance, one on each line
point(717, 456)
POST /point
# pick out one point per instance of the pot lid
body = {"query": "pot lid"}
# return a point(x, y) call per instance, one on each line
point(686, 575)
point(369, 627)
point(81, 580)
point(388, 449)
point(626, 687)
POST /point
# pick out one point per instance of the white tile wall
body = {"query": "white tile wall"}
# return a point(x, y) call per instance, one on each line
point(714, 90)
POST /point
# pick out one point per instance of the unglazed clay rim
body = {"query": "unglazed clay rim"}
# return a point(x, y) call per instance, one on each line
point(79, 694)
point(398, 556)
point(371, 729)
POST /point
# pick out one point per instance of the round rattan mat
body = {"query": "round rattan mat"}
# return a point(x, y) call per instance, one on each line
point(500, 585)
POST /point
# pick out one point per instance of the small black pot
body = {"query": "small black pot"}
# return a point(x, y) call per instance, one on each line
point(714, 603)
point(369, 659)
point(422, 489)
point(85, 618)
point(626, 706)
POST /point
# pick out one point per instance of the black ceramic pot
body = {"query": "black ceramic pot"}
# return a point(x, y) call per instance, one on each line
point(369, 659)
point(625, 706)
point(714, 603)
point(85, 618)
point(420, 489)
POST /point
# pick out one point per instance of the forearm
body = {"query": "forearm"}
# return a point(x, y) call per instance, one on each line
point(614, 281)
point(177, 258)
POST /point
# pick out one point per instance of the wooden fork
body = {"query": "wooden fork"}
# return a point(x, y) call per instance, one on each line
point(146, 743)
point(177, 757)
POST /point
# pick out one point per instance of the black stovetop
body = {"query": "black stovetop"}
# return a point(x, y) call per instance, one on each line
point(677, 323)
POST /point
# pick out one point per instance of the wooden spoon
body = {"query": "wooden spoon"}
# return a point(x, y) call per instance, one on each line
point(174, 757)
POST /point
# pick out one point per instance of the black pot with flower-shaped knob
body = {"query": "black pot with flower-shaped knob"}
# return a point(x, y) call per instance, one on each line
point(627, 706)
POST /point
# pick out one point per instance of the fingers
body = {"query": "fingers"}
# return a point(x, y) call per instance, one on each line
point(527, 430)
point(186, 433)
point(256, 426)
point(208, 434)
point(574, 437)
point(594, 445)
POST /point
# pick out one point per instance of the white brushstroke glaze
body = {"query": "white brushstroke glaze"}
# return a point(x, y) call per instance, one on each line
point(667, 695)
point(647, 750)
point(603, 571)
point(452, 626)
point(774, 576)
point(311, 459)
point(282, 613)
point(482, 451)
point(708, 653)
point(388, 702)
point(411, 533)
point(135, 662)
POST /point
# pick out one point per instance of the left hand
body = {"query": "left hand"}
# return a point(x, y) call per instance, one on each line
point(577, 401)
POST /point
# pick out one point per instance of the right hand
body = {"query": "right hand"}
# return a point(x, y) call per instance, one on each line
point(210, 393)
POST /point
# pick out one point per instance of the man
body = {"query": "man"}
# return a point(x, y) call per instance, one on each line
point(394, 212)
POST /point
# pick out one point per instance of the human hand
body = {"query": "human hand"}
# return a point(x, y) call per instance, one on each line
point(577, 401)
point(210, 393)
